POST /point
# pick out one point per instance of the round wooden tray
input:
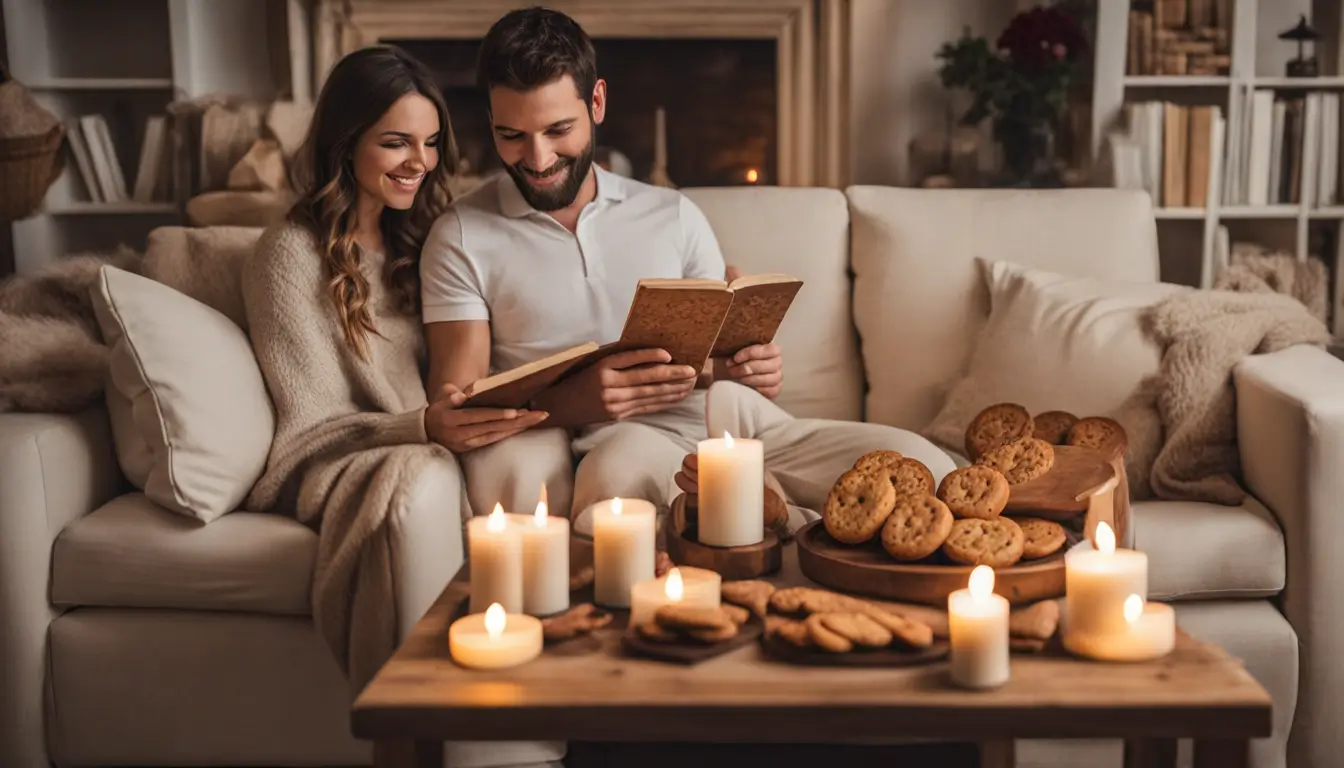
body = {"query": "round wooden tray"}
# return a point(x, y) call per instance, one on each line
point(867, 569)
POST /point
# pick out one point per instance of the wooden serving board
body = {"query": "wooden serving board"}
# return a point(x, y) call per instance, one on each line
point(782, 650)
point(690, 652)
point(1061, 493)
point(868, 570)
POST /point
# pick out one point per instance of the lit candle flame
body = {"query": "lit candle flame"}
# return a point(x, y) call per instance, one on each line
point(540, 517)
point(496, 522)
point(1133, 608)
point(727, 439)
point(1105, 538)
point(981, 585)
point(495, 619)
point(673, 587)
point(752, 175)
point(616, 506)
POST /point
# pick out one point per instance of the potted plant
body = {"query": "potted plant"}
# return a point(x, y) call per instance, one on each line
point(1021, 84)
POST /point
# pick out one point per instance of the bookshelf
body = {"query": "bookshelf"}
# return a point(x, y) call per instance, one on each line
point(110, 70)
point(1267, 169)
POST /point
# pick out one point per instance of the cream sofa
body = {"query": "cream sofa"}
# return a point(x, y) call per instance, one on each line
point(133, 636)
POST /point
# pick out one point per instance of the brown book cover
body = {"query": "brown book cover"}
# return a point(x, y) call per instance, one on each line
point(1175, 122)
point(514, 387)
point(1197, 159)
point(759, 305)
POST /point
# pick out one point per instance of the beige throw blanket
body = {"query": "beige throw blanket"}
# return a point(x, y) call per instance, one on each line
point(1204, 335)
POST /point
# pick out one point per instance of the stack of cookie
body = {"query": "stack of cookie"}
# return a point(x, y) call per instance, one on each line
point(695, 624)
point(1004, 423)
point(863, 498)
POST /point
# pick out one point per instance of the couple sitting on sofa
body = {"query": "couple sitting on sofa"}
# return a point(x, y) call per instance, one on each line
point(372, 269)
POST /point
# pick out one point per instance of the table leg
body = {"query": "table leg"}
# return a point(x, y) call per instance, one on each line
point(1222, 753)
point(997, 754)
point(1150, 753)
point(408, 754)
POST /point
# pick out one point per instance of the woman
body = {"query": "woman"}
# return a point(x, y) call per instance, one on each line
point(332, 297)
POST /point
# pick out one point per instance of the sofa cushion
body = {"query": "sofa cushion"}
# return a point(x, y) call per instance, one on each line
point(804, 232)
point(132, 553)
point(919, 301)
point(205, 263)
point(191, 417)
point(1207, 551)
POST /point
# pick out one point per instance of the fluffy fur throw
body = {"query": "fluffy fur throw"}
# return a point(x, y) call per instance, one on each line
point(1256, 270)
point(53, 359)
point(1204, 335)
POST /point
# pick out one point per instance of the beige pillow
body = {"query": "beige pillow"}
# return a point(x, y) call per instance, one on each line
point(1057, 342)
point(191, 418)
point(205, 263)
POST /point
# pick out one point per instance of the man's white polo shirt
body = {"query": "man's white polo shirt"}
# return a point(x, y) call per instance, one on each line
point(492, 256)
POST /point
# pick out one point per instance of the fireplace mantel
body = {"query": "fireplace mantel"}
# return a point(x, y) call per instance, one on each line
point(810, 42)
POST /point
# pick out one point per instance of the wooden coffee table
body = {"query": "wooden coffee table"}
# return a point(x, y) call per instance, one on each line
point(592, 692)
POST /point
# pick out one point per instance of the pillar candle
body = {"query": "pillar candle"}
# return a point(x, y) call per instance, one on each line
point(684, 585)
point(1150, 633)
point(496, 555)
point(545, 561)
point(977, 623)
point(494, 639)
point(1098, 581)
point(623, 549)
point(731, 479)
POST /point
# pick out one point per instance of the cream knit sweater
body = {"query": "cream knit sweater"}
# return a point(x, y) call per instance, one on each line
point(350, 436)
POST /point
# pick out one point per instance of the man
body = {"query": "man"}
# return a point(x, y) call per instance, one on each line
point(548, 256)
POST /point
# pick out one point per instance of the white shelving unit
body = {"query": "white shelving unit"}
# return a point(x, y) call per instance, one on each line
point(1257, 63)
point(127, 60)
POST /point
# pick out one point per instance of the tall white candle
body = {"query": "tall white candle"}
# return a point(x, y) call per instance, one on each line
point(623, 549)
point(977, 623)
point(496, 554)
point(731, 492)
point(687, 586)
point(494, 639)
point(1150, 633)
point(1098, 581)
point(545, 561)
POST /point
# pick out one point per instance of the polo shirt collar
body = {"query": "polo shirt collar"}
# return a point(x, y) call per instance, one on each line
point(610, 188)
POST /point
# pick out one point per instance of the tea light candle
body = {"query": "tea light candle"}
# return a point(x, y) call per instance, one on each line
point(623, 549)
point(731, 492)
point(1098, 581)
point(978, 630)
point(1150, 634)
point(494, 639)
point(545, 560)
point(687, 586)
point(496, 554)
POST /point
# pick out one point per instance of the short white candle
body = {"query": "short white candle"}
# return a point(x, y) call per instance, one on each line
point(494, 639)
point(623, 549)
point(545, 561)
point(496, 554)
point(687, 586)
point(977, 623)
point(731, 500)
point(1097, 582)
point(1150, 634)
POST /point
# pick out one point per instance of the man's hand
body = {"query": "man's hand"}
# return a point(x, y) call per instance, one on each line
point(464, 429)
point(618, 387)
point(759, 367)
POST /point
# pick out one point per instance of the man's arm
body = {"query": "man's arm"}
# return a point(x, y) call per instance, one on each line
point(459, 353)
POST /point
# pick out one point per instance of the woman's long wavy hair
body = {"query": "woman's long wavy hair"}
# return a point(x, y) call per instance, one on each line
point(360, 89)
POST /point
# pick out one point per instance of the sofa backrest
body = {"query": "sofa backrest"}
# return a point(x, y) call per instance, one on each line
point(205, 263)
point(919, 300)
point(805, 233)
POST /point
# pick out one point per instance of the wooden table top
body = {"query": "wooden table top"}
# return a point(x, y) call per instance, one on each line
point(593, 692)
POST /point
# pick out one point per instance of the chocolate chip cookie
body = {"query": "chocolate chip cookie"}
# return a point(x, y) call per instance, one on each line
point(1021, 460)
point(916, 527)
point(995, 425)
point(975, 491)
point(857, 506)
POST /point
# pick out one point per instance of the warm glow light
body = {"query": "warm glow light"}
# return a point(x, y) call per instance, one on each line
point(1105, 538)
point(981, 585)
point(496, 521)
point(540, 517)
point(616, 506)
point(495, 620)
point(673, 587)
point(1133, 608)
point(727, 440)
point(752, 175)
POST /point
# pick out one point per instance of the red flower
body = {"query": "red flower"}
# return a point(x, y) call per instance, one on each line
point(1037, 38)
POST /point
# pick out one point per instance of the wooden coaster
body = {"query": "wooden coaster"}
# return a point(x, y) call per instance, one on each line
point(688, 651)
point(782, 650)
point(732, 563)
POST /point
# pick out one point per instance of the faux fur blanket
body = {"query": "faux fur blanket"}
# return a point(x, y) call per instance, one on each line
point(1204, 335)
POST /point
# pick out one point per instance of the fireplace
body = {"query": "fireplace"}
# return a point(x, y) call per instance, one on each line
point(749, 91)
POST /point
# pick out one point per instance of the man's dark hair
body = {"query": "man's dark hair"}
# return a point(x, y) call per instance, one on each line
point(531, 47)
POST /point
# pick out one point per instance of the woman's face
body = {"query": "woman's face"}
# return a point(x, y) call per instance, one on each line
point(394, 155)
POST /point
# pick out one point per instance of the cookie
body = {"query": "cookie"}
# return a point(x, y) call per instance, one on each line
point(809, 600)
point(915, 634)
point(736, 613)
point(1037, 622)
point(857, 506)
point(716, 635)
point(1040, 537)
point(654, 633)
point(678, 617)
point(794, 633)
point(916, 528)
point(752, 594)
point(995, 425)
point(858, 628)
point(876, 460)
point(776, 511)
point(908, 477)
point(1098, 432)
point(579, 620)
point(996, 543)
point(1021, 460)
point(1053, 426)
point(975, 491)
point(826, 638)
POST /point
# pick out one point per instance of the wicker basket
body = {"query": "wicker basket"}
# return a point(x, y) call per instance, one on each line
point(28, 166)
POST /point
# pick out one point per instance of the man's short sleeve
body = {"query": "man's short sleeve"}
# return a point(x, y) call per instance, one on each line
point(451, 284)
point(701, 256)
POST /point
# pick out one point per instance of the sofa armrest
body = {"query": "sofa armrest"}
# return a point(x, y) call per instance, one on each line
point(1290, 426)
point(54, 468)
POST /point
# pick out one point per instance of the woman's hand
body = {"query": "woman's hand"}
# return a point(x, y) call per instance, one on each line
point(465, 429)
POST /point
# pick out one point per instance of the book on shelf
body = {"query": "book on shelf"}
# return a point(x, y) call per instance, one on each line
point(100, 169)
point(693, 319)
point(1179, 37)
point(1168, 150)
point(1270, 158)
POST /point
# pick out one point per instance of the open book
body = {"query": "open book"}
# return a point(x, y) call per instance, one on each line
point(692, 318)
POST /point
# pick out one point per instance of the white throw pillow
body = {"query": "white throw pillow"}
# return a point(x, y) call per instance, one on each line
point(192, 420)
point(1054, 342)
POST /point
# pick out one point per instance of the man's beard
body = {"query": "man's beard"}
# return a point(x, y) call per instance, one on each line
point(563, 194)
